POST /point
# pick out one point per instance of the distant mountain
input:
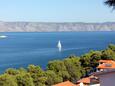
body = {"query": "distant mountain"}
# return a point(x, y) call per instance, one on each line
point(56, 27)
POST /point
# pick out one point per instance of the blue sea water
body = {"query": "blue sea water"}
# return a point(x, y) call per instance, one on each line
point(22, 49)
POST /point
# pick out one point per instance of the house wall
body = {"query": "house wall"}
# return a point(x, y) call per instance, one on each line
point(95, 85)
point(107, 79)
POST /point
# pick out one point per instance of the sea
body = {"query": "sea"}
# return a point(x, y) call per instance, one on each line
point(19, 49)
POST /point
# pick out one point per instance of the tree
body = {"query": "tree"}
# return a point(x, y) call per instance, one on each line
point(112, 47)
point(52, 78)
point(37, 74)
point(94, 60)
point(56, 66)
point(110, 3)
point(12, 71)
point(7, 80)
point(34, 69)
point(74, 68)
point(24, 80)
point(59, 68)
point(89, 61)
point(69, 68)
point(108, 54)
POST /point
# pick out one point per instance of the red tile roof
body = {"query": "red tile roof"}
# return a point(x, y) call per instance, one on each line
point(106, 61)
point(84, 80)
point(107, 64)
point(66, 83)
point(78, 85)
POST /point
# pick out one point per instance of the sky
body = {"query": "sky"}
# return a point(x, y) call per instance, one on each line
point(56, 11)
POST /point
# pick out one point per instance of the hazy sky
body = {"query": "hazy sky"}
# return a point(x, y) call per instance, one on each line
point(56, 11)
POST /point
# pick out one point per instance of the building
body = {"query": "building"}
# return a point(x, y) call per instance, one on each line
point(89, 81)
point(85, 81)
point(105, 65)
point(106, 78)
point(106, 72)
point(66, 83)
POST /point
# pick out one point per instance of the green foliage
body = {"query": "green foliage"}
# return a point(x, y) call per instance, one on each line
point(95, 57)
point(108, 54)
point(52, 78)
point(112, 47)
point(56, 66)
point(37, 74)
point(59, 68)
point(24, 80)
point(7, 80)
point(68, 69)
point(22, 70)
point(34, 69)
point(73, 68)
point(12, 71)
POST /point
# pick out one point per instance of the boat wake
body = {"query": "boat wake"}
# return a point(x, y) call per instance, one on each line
point(69, 49)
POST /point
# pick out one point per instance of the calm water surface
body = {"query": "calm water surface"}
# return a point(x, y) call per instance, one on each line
point(22, 49)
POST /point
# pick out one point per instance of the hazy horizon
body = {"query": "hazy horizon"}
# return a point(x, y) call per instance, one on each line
point(57, 22)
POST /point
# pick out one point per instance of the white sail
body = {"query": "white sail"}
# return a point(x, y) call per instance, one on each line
point(59, 45)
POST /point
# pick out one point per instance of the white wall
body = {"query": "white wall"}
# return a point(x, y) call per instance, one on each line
point(95, 85)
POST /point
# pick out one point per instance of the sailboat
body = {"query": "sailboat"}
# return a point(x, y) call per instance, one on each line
point(59, 46)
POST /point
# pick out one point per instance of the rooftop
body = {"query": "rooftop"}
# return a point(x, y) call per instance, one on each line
point(106, 61)
point(84, 80)
point(66, 83)
point(107, 64)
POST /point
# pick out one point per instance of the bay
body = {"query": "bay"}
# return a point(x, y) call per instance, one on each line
point(20, 49)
